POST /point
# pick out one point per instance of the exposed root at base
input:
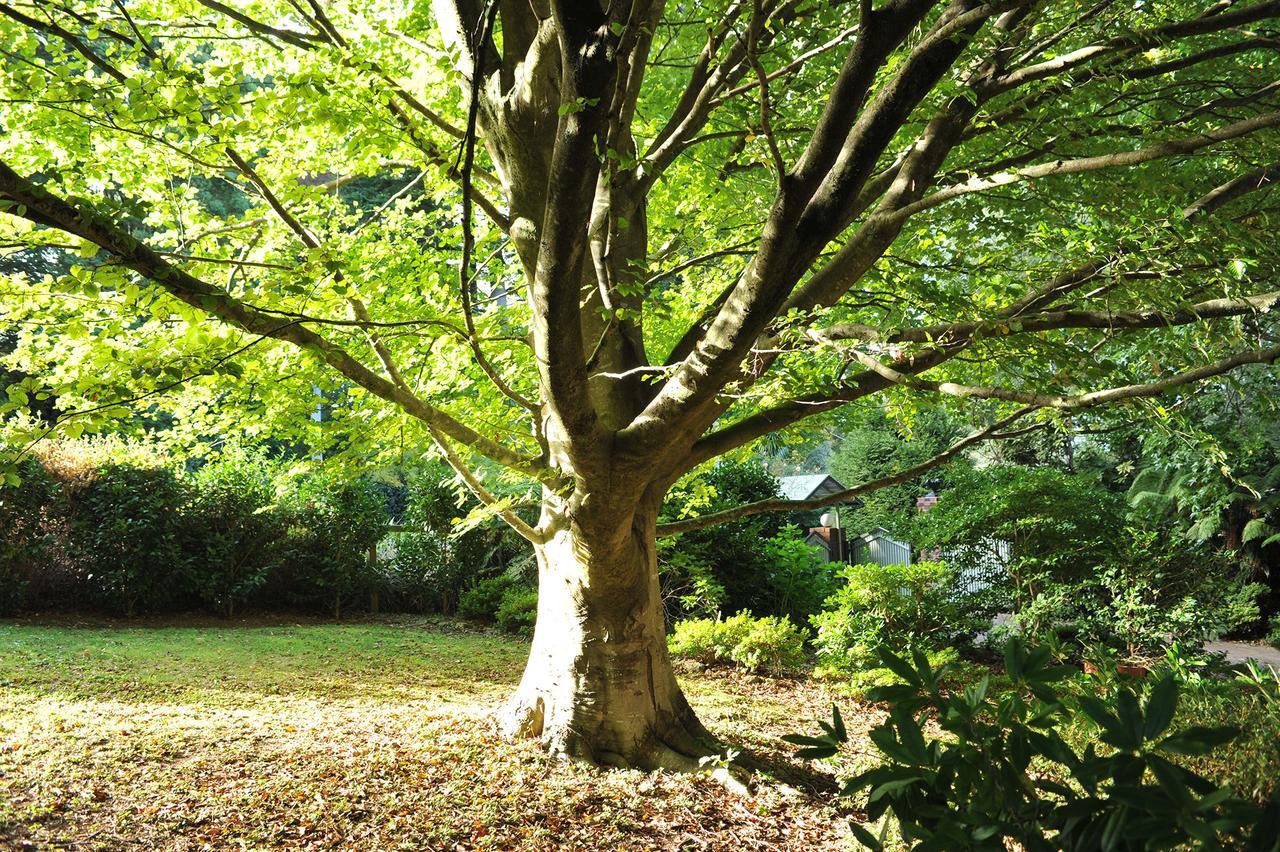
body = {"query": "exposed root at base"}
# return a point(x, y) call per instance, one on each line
point(681, 748)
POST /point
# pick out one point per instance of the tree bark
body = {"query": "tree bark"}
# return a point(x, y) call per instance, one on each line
point(598, 685)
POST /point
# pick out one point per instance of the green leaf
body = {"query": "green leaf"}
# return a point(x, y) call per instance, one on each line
point(1160, 707)
point(865, 837)
point(1198, 739)
point(1255, 529)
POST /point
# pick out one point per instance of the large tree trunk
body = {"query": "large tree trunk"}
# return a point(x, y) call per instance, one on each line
point(599, 685)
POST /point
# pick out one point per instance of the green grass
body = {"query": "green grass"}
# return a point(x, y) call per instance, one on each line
point(366, 735)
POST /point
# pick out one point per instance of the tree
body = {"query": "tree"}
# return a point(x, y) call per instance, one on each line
point(1215, 472)
point(698, 224)
point(877, 446)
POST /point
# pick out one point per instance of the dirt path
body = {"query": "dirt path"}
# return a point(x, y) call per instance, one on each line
point(1238, 652)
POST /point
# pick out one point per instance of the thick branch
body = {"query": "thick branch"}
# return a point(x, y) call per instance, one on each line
point(82, 220)
point(778, 505)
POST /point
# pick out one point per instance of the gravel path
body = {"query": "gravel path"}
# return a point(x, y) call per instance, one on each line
point(1238, 652)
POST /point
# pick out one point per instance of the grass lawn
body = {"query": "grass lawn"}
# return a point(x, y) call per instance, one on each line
point(374, 735)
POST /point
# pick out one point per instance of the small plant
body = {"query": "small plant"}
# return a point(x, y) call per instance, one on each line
point(483, 599)
point(742, 639)
point(1273, 634)
point(1004, 775)
point(518, 610)
point(918, 605)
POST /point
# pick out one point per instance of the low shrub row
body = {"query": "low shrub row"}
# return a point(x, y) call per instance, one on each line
point(742, 639)
point(124, 530)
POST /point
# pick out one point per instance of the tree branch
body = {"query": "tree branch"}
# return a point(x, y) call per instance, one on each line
point(82, 220)
point(991, 432)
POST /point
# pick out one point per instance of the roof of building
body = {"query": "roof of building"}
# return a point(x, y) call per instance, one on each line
point(808, 486)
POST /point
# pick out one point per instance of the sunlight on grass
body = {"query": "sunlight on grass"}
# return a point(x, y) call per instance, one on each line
point(357, 735)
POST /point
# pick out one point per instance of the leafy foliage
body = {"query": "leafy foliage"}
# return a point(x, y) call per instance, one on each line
point(425, 573)
point(484, 598)
point(875, 446)
point(1215, 473)
point(331, 526)
point(24, 536)
point(1005, 774)
point(759, 564)
point(1058, 526)
point(230, 528)
point(742, 639)
point(518, 610)
point(921, 605)
point(1155, 589)
point(129, 535)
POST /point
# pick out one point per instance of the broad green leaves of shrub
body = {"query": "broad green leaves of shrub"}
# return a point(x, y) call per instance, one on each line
point(1003, 774)
point(919, 605)
point(742, 639)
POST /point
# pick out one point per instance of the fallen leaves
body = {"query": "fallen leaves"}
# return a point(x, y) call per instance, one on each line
point(190, 755)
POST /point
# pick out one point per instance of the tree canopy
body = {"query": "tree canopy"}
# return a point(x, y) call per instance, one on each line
point(614, 242)
point(982, 200)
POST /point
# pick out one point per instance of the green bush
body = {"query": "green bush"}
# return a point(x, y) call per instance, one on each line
point(1003, 775)
point(330, 528)
point(742, 639)
point(126, 529)
point(799, 579)
point(230, 527)
point(518, 610)
point(483, 599)
point(918, 605)
point(24, 534)
point(1273, 635)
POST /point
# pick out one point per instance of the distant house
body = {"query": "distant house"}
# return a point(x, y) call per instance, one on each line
point(809, 486)
point(825, 535)
point(880, 547)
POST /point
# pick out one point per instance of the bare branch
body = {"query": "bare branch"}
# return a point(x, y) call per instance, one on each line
point(1170, 148)
point(1083, 400)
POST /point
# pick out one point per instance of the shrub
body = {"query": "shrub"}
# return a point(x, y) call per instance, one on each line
point(799, 579)
point(1273, 635)
point(230, 526)
point(24, 532)
point(330, 528)
point(518, 610)
point(919, 605)
point(126, 530)
point(426, 573)
point(976, 788)
point(742, 639)
point(483, 599)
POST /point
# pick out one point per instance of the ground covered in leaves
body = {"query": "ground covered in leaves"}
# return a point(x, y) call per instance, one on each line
point(366, 736)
